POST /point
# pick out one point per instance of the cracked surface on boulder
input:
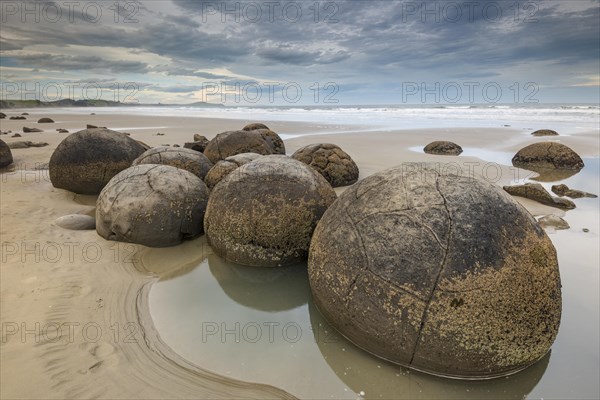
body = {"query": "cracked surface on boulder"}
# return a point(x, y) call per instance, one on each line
point(330, 161)
point(187, 159)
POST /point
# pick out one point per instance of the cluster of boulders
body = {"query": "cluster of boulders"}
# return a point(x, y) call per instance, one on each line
point(445, 274)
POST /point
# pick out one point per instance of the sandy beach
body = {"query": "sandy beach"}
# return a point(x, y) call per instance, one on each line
point(76, 321)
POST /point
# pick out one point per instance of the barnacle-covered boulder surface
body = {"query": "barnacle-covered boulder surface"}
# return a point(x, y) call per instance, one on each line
point(224, 167)
point(6, 157)
point(152, 205)
point(264, 214)
point(330, 161)
point(85, 161)
point(547, 155)
point(442, 147)
point(273, 140)
point(230, 143)
point(444, 274)
point(187, 159)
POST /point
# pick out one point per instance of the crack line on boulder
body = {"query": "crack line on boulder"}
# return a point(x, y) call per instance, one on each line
point(439, 275)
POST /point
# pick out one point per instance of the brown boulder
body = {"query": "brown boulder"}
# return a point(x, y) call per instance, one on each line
point(443, 148)
point(330, 161)
point(535, 191)
point(564, 190)
point(224, 167)
point(547, 155)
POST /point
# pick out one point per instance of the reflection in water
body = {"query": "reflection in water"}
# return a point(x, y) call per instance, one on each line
point(552, 174)
point(267, 289)
point(377, 378)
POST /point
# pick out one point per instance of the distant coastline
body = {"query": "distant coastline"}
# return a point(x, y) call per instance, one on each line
point(8, 104)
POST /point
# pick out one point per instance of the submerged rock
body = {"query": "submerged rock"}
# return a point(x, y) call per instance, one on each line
point(547, 155)
point(264, 214)
point(445, 274)
point(552, 222)
point(444, 148)
point(330, 161)
point(564, 190)
point(536, 191)
point(152, 205)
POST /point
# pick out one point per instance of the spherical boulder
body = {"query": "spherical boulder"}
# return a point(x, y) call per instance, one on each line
point(230, 143)
point(189, 160)
point(330, 161)
point(264, 214)
point(444, 274)
point(224, 167)
point(45, 120)
point(544, 132)
point(254, 126)
point(6, 157)
point(86, 160)
point(443, 148)
point(273, 140)
point(547, 155)
point(152, 205)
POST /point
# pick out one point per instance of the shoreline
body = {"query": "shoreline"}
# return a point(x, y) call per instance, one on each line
point(108, 292)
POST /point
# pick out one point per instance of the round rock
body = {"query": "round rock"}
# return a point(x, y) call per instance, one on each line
point(152, 205)
point(45, 120)
point(85, 161)
point(6, 157)
point(330, 161)
point(273, 140)
point(230, 143)
point(77, 222)
point(264, 214)
point(224, 167)
point(189, 160)
point(443, 148)
point(544, 132)
point(444, 274)
point(254, 126)
point(547, 155)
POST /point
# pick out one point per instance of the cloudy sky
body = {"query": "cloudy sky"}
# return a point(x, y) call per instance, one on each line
point(293, 52)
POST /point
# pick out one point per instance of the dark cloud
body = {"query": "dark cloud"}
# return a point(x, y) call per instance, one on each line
point(79, 63)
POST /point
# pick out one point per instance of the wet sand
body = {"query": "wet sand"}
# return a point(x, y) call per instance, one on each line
point(80, 314)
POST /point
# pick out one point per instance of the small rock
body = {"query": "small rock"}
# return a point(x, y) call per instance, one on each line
point(77, 222)
point(254, 126)
point(564, 190)
point(444, 148)
point(536, 191)
point(585, 230)
point(62, 131)
point(160, 134)
point(6, 157)
point(2, 115)
point(92, 113)
point(16, 135)
point(198, 146)
point(200, 138)
point(24, 113)
point(45, 120)
point(24, 144)
point(17, 117)
point(544, 132)
point(551, 222)
point(31, 130)
point(90, 126)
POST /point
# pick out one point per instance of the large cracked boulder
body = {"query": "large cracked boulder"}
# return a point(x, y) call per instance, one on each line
point(547, 155)
point(536, 192)
point(152, 205)
point(85, 161)
point(330, 161)
point(444, 148)
point(444, 274)
point(6, 157)
point(224, 167)
point(189, 160)
point(264, 214)
point(260, 141)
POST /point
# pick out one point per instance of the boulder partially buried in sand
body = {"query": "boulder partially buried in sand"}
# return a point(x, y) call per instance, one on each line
point(330, 161)
point(85, 161)
point(189, 160)
point(230, 143)
point(224, 167)
point(31, 130)
point(6, 157)
point(25, 144)
point(45, 120)
point(443, 148)
point(445, 274)
point(272, 139)
point(545, 132)
point(547, 155)
point(254, 126)
point(152, 205)
point(535, 191)
point(264, 214)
